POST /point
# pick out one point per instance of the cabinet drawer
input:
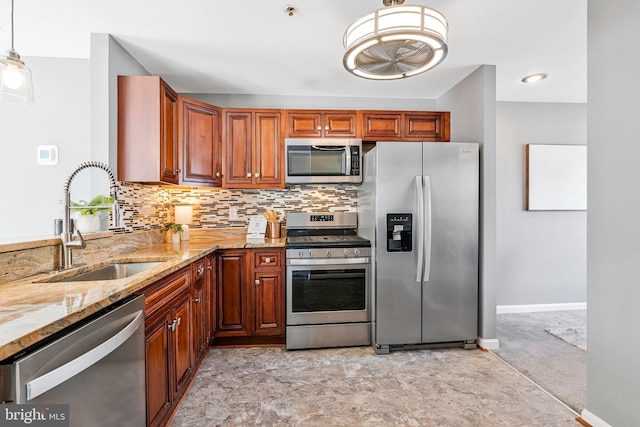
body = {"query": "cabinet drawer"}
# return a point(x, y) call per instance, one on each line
point(164, 290)
point(267, 258)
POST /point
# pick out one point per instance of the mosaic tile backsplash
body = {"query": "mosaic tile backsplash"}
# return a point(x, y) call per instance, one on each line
point(146, 207)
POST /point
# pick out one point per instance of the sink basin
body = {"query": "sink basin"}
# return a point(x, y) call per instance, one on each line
point(109, 272)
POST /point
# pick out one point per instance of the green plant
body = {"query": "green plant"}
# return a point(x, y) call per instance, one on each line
point(173, 227)
point(100, 202)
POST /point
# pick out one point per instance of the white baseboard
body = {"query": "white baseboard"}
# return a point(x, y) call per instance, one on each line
point(532, 308)
point(489, 343)
point(594, 420)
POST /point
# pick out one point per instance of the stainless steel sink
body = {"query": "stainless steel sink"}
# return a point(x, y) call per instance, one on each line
point(109, 272)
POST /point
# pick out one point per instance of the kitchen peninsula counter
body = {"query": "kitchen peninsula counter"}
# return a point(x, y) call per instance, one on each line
point(32, 309)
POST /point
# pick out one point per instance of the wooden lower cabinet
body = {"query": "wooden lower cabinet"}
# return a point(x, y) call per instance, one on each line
point(250, 293)
point(230, 293)
point(200, 310)
point(169, 344)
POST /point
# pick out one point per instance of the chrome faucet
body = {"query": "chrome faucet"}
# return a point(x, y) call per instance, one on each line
point(67, 236)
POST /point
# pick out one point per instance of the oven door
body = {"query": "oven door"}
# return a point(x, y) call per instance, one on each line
point(328, 291)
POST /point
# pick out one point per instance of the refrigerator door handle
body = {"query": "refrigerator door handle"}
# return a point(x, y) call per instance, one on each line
point(427, 228)
point(420, 210)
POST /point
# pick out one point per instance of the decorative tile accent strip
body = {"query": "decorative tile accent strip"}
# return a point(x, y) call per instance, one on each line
point(148, 207)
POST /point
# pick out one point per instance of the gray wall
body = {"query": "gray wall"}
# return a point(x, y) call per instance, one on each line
point(613, 223)
point(472, 103)
point(108, 60)
point(542, 255)
point(31, 194)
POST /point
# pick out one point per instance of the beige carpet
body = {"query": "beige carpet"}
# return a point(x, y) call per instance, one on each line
point(356, 387)
point(574, 335)
point(557, 366)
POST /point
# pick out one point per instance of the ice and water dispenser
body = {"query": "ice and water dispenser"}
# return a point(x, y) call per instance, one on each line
point(399, 232)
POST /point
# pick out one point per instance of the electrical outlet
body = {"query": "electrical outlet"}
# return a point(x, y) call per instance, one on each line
point(233, 214)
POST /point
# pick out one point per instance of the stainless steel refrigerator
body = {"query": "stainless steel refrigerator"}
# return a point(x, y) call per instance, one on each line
point(419, 206)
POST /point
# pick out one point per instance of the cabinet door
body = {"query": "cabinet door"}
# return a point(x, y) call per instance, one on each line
point(199, 138)
point(200, 307)
point(268, 149)
point(237, 149)
point(341, 124)
point(427, 126)
point(182, 345)
point(268, 302)
point(213, 300)
point(304, 124)
point(158, 369)
point(381, 126)
point(168, 134)
point(147, 130)
point(233, 301)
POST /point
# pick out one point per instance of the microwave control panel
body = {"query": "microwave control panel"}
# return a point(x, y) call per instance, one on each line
point(355, 161)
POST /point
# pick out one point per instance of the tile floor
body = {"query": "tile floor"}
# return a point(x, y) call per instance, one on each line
point(355, 387)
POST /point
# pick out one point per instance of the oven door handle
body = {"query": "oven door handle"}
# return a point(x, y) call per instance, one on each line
point(329, 261)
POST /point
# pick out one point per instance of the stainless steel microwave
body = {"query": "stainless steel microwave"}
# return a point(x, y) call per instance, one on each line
point(323, 160)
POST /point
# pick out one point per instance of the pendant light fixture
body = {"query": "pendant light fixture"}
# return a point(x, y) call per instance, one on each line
point(396, 41)
point(15, 77)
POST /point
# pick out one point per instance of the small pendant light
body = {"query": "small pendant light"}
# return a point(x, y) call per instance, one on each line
point(16, 84)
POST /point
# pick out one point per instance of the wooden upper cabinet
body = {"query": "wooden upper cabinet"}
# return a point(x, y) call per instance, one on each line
point(200, 143)
point(379, 125)
point(405, 126)
point(253, 149)
point(321, 123)
point(427, 126)
point(147, 130)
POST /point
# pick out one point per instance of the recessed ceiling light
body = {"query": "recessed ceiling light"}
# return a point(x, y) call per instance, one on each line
point(534, 78)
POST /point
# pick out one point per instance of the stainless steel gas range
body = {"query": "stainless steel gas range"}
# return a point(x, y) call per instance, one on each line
point(328, 281)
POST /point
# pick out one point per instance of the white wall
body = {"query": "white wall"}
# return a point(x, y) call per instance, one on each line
point(31, 194)
point(613, 223)
point(472, 103)
point(542, 255)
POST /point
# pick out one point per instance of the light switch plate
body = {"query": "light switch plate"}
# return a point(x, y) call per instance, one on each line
point(48, 155)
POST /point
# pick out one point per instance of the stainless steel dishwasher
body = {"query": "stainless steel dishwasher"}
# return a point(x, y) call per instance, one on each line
point(98, 369)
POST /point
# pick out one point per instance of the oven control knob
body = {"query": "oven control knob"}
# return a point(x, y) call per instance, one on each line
point(310, 253)
point(300, 254)
point(328, 252)
point(356, 252)
point(346, 252)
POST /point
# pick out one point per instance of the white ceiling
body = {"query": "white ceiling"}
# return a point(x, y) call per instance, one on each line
point(254, 47)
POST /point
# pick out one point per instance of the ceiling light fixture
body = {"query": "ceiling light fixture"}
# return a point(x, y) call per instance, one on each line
point(534, 78)
point(15, 77)
point(395, 42)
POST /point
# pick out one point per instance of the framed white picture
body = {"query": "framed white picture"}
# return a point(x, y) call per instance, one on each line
point(556, 177)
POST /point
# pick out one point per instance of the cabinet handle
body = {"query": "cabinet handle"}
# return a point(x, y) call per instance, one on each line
point(172, 325)
point(257, 282)
point(177, 171)
point(326, 127)
point(217, 174)
point(267, 260)
point(199, 270)
point(257, 175)
point(179, 321)
point(318, 127)
point(209, 268)
point(249, 175)
point(197, 300)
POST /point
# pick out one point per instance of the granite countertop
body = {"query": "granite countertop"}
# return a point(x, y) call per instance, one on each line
point(33, 309)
